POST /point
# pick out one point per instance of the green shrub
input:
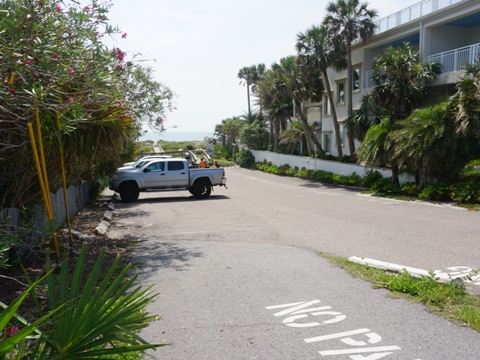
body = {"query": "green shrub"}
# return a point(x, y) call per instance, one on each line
point(351, 180)
point(290, 172)
point(466, 192)
point(440, 191)
point(305, 174)
point(471, 170)
point(282, 170)
point(410, 189)
point(385, 186)
point(246, 159)
point(225, 163)
point(371, 178)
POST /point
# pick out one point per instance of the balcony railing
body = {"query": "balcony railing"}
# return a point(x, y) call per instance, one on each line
point(411, 13)
point(455, 60)
point(450, 61)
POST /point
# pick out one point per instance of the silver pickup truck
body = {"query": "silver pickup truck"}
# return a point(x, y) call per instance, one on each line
point(166, 174)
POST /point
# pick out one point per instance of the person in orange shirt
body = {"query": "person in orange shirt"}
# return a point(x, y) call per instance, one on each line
point(203, 163)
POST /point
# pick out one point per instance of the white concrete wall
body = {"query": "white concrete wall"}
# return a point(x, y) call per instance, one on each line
point(325, 165)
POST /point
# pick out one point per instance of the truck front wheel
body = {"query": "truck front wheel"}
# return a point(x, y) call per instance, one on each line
point(129, 192)
point(202, 190)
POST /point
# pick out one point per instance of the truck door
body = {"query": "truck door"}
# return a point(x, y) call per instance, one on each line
point(154, 175)
point(177, 174)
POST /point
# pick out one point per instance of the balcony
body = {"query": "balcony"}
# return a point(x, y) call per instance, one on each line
point(450, 61)
point(411, 13)
point(455, 60)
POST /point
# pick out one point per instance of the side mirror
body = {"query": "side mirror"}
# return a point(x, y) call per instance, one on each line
point(146, 170)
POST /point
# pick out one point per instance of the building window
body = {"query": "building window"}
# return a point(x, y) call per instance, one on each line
point(356, 79)
point(341, 92)
point(327, 142)
point(326, 106)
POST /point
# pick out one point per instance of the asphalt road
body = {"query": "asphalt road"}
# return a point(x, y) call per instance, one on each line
point(239, 276)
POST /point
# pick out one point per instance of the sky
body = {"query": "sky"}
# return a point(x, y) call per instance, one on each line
point(197, 47)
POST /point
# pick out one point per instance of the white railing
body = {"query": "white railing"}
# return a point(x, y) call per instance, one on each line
point(456, 59)
point(411, 13)
point(450, 61)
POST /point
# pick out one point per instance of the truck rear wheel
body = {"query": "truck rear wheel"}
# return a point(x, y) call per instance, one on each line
point(129, 192)
point(202, 190)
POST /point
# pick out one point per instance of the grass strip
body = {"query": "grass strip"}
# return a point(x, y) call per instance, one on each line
point(451, 301)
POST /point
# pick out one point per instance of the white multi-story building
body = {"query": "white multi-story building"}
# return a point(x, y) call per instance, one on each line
point(444, 31)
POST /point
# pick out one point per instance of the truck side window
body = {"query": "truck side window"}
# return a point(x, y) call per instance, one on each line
point(175, 165)
point(158, 166)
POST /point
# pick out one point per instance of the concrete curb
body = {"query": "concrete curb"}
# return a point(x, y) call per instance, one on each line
point(441, 277)
point(80, 235)
point(102, 228)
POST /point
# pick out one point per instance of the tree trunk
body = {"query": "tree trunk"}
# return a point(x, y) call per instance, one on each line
point(395, 171)
point(270, 135)
point(308, 130)
point(351, 140)
point(336, 127)
point(248, 97)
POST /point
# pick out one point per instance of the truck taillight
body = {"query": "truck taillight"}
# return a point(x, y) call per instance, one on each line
point(223, 173)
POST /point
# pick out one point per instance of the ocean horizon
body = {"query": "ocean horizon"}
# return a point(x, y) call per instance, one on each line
point(176, 136)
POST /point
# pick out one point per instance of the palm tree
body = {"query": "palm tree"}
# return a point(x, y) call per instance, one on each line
point(377, 147)
point(467, 100)
point(300, 84)
point(428, 144)
point(349, 21)
point(250, 117)
point(220, 132)
point(294, 136)
point(365, 117)
point(251, 75)
point(277, 106)
point(402, 82)
point(232, 127)
point(315, 49)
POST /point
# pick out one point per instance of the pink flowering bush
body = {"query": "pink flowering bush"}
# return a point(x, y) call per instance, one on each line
point(65, 70)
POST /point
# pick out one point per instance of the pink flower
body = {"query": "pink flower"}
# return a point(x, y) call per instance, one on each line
point(70, 71)
point(13, 330)
point(124, 35)
point(58, 8)
point(120, 103)
point(12, 91)
point(119, 67)
point(86, 8)
point(85, 105)
point(70, 100)
point(54, 56)
point(120, 54)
